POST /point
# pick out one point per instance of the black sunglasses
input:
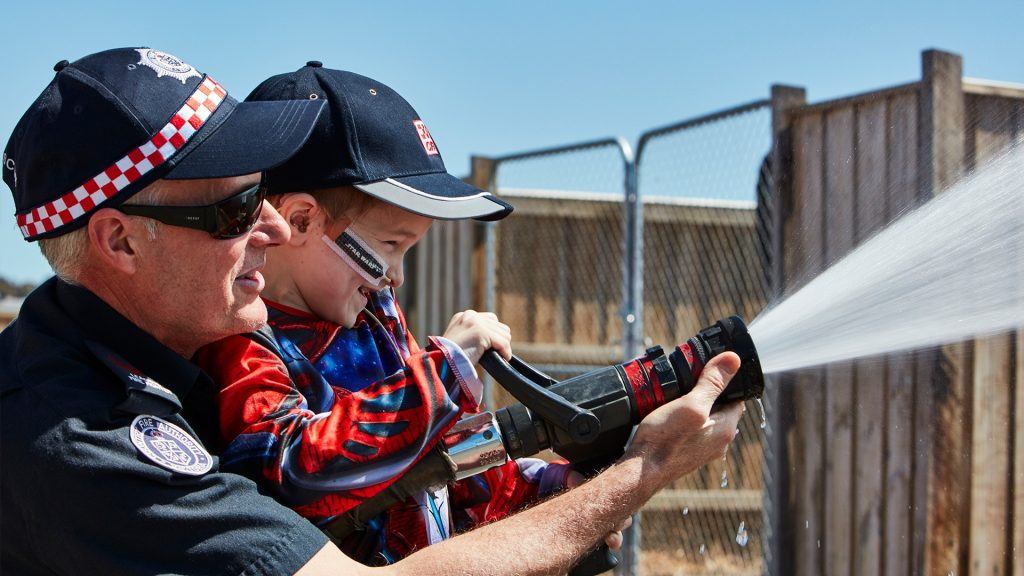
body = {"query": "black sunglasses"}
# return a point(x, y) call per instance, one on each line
point(227, 218)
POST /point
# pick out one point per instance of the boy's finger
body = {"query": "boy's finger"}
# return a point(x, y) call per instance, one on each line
point(503, 346)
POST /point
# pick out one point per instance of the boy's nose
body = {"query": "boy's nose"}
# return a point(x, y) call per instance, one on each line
point(396, 275)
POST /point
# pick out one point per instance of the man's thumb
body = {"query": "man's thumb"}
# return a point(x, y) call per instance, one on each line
point(716, 376)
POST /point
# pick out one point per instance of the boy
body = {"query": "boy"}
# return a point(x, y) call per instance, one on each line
point(348, 401)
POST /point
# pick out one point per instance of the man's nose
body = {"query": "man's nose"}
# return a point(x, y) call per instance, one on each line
point(271, 228)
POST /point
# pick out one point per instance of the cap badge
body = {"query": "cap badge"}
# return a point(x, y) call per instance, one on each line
point(9, 165)
point(425, 139)
point(166, 64)
point(170, 447)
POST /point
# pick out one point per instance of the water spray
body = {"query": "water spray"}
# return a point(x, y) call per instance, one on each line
point(945, 272)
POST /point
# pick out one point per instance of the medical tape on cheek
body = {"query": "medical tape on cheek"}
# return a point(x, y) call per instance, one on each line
point(357, 254)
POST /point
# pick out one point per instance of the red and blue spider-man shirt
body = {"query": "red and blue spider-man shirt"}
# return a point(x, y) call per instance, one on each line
point(356, 410)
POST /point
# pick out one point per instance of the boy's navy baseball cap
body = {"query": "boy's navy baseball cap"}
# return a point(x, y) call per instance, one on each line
point(113, 122)
point(369, 137)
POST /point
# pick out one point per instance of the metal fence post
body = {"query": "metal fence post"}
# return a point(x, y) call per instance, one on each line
point(632, 316)
point(633, 259)
point(482, 176)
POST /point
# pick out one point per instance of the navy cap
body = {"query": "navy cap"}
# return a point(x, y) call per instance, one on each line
point(371, 138)
point(113, 122)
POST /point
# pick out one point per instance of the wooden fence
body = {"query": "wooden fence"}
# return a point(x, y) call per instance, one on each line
point(913, 463)
point(908, 464)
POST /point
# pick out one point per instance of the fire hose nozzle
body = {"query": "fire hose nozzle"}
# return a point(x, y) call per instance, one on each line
point(728, 334)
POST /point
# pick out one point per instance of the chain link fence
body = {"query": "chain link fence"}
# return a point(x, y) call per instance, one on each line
point(606, 255)
point(704, 254)
point(555, 269)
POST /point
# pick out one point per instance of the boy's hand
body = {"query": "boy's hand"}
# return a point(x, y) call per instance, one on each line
point(477, 332)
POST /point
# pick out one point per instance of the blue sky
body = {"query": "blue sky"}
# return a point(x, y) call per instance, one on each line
point(491, 78)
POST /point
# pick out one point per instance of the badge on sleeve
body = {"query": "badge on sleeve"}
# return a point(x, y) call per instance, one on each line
point(170, 447)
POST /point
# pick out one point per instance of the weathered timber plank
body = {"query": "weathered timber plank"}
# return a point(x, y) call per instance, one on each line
point(869, 462)
point(897, 528)
point(990, 457)
point(804, 256)
point(839, 212)
point(1017, 544)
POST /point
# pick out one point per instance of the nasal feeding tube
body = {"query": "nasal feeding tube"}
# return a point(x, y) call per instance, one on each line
point(357, 253)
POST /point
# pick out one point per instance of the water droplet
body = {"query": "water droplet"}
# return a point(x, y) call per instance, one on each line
point(686, 510)
point(725, 479)
point(819, 542)
point(741, 535)
point(703, 549)
point(764, 420)
point(807, 524)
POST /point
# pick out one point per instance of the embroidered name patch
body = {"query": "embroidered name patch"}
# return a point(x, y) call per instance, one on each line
point(425, 138)
point(170, 447)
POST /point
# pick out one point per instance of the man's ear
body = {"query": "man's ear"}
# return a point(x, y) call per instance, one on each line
point(115, 239)
point(304, 215)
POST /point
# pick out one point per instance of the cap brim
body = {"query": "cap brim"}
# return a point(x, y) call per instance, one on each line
point(255, 136)
point(440, 196)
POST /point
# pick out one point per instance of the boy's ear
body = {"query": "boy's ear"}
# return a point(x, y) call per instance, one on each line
point(304, 215)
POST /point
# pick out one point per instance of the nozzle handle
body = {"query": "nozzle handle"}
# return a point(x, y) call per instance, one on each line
point(532, 373)
point(580, 424)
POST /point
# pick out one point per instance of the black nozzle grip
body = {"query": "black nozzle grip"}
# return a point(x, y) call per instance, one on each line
point(597, 562)
point(580, 424)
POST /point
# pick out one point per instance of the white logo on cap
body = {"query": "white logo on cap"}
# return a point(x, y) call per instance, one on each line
point(169, 446)
point(166, 64)
point(425, 138)
point(9, 165)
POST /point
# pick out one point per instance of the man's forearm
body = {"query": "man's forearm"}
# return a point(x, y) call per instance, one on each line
point(547, 538)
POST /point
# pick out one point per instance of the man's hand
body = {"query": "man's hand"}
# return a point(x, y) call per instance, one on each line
point(477, 332)
point(683, 435)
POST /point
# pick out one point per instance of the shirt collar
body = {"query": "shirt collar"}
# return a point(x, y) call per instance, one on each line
point(96, 320)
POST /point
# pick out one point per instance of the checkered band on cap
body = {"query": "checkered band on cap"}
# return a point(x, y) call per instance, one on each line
point(154, 152)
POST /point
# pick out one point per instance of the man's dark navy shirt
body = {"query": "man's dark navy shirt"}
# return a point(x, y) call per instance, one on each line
point(78, 496)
